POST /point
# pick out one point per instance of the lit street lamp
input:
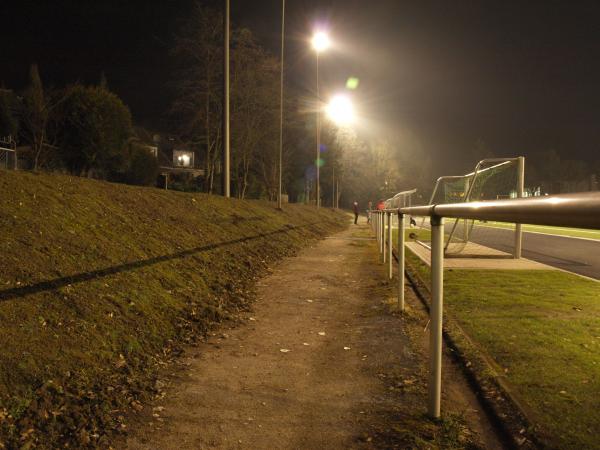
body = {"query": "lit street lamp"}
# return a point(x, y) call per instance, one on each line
point(320, 43)
point(340, 110)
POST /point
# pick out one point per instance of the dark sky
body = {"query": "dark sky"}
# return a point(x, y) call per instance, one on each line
point(521, 76)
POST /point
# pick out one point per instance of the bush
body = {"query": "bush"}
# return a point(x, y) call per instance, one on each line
point(96, 126)
point(143, 167)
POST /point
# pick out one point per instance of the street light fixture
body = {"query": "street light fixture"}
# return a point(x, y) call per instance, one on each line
point(340, 110)
point(320, 43)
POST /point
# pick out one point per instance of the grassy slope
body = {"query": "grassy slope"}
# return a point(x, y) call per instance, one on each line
point(542, 329)
point(98, 279)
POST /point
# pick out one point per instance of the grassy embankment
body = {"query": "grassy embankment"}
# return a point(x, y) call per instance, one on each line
point(100, 283)
point(541, 329)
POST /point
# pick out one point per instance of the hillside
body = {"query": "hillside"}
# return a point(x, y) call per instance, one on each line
point(100, 284)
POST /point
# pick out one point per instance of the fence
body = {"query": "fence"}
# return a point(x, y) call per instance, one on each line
point(569, 210)
point(8, 153)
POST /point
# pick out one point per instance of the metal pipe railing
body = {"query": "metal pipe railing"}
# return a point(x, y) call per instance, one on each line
point(580, 210)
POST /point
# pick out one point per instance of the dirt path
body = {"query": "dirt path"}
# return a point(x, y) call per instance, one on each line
point(321, 363)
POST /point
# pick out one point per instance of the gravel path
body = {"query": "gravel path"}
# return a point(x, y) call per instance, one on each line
point(321, 363)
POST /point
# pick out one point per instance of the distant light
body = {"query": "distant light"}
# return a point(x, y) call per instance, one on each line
point(352, 83)
point(340, 110)
point(184, 160)
point(320, 41)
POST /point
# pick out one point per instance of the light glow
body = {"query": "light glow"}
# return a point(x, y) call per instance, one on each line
point(340, 110)
point(184, 160)
point(320, 41)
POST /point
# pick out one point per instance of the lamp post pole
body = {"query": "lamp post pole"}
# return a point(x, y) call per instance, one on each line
point(318, 160)
point(226, 140)
point(279, 201)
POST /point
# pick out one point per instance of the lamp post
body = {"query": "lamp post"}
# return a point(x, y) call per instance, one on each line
point(320, 42)
point(279, 202)
point(225, 175)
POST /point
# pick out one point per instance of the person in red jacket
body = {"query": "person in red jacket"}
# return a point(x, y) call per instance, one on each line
point(355, 209)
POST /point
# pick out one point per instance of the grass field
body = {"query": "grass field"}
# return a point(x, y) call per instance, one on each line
point(542, 330)
point(558, 231)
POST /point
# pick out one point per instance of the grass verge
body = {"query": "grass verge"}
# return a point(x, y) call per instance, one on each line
point(100, 284)
point(541, 332)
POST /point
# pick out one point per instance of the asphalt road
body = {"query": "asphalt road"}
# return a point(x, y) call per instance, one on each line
point(575, 255)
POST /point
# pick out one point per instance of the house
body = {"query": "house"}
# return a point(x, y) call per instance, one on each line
point(178, 164)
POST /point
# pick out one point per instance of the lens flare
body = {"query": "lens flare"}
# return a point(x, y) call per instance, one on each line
point(352, 83)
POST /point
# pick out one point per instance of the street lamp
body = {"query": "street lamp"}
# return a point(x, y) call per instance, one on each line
point(340, 110)
point(279, 202)
point(320, 43)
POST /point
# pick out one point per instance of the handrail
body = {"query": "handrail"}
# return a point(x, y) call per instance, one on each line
point(580, 210)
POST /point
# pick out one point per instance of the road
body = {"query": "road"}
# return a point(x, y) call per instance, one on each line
point(575, 255)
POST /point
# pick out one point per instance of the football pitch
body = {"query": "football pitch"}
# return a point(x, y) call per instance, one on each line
point(541, 229)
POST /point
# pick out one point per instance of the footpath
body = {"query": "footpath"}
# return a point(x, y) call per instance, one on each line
point(322, 361)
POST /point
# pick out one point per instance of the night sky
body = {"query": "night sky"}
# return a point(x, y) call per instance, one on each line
point(521, 76)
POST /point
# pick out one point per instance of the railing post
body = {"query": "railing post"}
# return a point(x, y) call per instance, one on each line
point(382, 237)
point(389, 238)
point(435, 316)
point(520, 189)
point(401, 261)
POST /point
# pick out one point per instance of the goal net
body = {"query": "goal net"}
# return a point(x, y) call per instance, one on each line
point(492, 179)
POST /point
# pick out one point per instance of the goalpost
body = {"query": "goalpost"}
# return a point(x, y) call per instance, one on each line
point(492, 179)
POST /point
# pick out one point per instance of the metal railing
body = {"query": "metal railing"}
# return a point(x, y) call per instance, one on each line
point(580, 210)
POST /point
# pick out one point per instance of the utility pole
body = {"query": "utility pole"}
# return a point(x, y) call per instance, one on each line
point(226, 139)
point(279, 202)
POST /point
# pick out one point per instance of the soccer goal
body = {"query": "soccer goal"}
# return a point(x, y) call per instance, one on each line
point(492, 179)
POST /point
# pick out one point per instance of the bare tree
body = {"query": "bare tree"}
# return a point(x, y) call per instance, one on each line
point(199, 87)
point(36, 115)
point(255, 95)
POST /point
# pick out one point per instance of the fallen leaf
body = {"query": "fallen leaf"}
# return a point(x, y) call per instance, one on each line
point(284, 350)
point(346, 348)
point(321, 333)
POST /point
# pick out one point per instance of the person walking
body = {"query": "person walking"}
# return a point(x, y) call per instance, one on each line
point(355, 209)
point(369, 212)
